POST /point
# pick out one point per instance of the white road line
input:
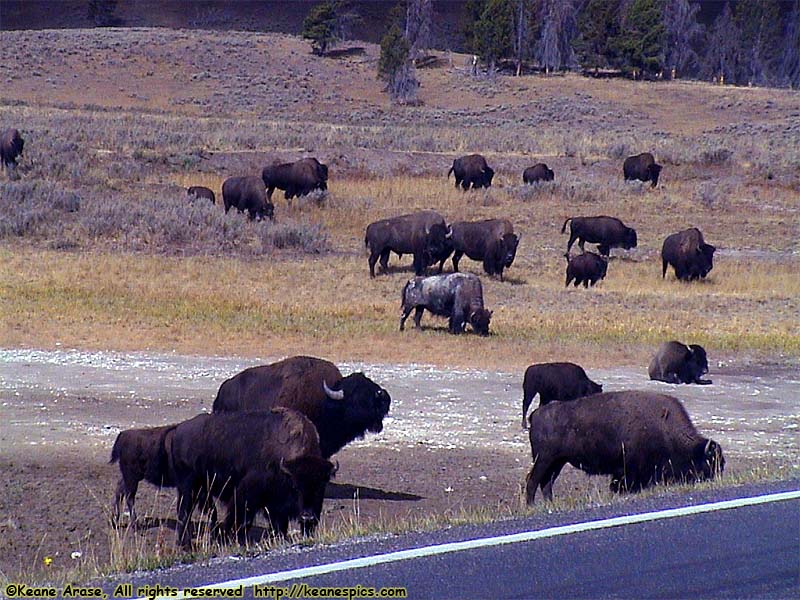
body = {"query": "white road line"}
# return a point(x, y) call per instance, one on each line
point(526, 536)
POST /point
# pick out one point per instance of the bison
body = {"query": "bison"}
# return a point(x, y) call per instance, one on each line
point(250, 461)
point(458, 296)
point(642, 167)
point(471, 170)
point(538, 172)
point(606, 232)
point(639, 438)
point(688, 254)
point(295, 178)
point(247, 194)
point(342, 408)
point(143, 455)
point(423, 234)
point(678, 363)
point(587, 268)
point(555, 381)
point(199, 191)
point(492, 241)
point(11, 144)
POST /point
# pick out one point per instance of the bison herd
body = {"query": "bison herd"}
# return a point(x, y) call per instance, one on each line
point(267, 445)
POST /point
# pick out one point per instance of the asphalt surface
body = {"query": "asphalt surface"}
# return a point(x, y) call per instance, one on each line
point(746, 552)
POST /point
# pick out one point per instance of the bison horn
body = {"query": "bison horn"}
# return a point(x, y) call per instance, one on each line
point(708, 447)
point(333, 395)
point(449, 233)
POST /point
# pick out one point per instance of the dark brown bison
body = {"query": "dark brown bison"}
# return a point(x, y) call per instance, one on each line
point(458, 296)
point(606, 232)
point(555, 381)
point(11, 144)
point(250, 461)
point(342, 408)
point(538, 172)
point(688, 254)
point(471, 170)
point(422, 234)
point(639, 438)
point(678, 363)
point(143, 454)
point(492, 241)
point(642, 167)
point(587, 268)
point(199, 191)
point(247, 194)
point(295, 178)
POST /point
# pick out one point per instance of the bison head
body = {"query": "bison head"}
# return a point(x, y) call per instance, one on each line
point(438, 242)
point(708, 460)
point(307, 478)
point(510, 242)
point(653, 171)
point(486, 179)
point(356, 405)
point(630, 238)
point(479, 319)
point(697, 363)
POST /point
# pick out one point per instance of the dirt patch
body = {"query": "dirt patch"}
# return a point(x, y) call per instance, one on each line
point(452, 442)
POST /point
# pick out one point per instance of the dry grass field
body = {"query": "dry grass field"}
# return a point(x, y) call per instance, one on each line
point(100, 248)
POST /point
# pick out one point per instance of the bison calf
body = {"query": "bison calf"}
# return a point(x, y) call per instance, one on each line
point(606, 232)
point(471, 170)
point(587, 268)
point(538, 172)
point(555, 381)
point(688, 254)
point(642, 167)
point(199, 191)
point(639, 438)
point(458, 296)
point(678, 363)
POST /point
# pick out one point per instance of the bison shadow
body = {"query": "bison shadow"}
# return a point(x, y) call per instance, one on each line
point(347, 491)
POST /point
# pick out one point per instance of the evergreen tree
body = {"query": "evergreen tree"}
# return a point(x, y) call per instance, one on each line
point(554, 50)
point(494, 31)
point(789, 70)
point(722, 57)
point(759, 22)
point(472, 15)
point(395, 67)
point(641, 41)
point(598, 26)
point(101, 12)
point(328, 23)
point(682, 34)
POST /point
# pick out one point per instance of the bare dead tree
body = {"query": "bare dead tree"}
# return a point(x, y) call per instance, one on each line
point(682, 32)
point(521, 24)
point(790, 65)
point(419, 18)
point(559, 27)
point(722, 57)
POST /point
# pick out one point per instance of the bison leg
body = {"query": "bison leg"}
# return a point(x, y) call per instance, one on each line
point(535, 478)
point(373, 258)
point(572, 238)
point(184, 525)
point(122, 491)
point(457, 259)
point(418, 316)
point(526, 404)
point(385, 259)
point(404, 312)
point(270, 189)
point(604, 249)
point(549, 479)
point(465, 184)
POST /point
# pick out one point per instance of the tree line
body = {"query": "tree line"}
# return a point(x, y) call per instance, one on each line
point(748, 42)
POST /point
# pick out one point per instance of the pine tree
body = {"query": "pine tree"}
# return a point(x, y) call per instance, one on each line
point(328, 23)
point(494, 32)
point(554, 50)
point(682, 34)
point(641, 41)
point(395, 67)
point(473, 10)
point(722, 57)
point(789, 71)
point(598, 26)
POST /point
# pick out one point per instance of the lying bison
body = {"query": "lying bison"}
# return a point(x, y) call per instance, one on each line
point(11, 145)
point(642, 167)
point(250, 461)
point(199, 191)
point(688, 254)
point(538, 172)
point(587, 268)
point(639, 438)
point(606, 232)
point(555, 381)
point(295, 178)
point(342, 408)
point(247, 194)
point(422, 234)
point(471, 170)
point(458, 296)
point(678, 363)
point(492, 241)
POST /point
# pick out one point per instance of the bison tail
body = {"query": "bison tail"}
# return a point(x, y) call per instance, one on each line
point(564, 226)
point(450, 171)
point(115, 452)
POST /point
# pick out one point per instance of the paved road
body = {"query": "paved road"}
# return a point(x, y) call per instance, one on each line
point(745, 552)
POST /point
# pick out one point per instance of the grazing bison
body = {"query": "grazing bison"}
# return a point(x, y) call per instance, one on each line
point(555, 381)
point(11, 144)
point(492, 241)
point(247, 194)
point(471, 170)
point(606, 232)
point(642, 167)
point(456, 295)
point(688, 254)
point(678, 363)
point(295, 178)
point(639, 438)
point(586, 268)
point(199, 191)
point(250, 461)
point(422, 234)
point(538, 172)
point(342, 408)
